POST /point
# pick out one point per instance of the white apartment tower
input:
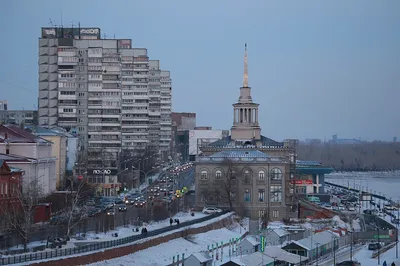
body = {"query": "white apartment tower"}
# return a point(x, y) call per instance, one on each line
point(102, 89)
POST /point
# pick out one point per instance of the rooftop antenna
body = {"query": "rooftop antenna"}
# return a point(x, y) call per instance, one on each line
point(51, 23)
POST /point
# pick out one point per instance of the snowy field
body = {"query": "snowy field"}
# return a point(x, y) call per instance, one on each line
point(384, 183)
point(163, 253)
point(364, 257)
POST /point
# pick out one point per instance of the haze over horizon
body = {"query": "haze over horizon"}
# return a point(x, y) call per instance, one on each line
point(316, 68)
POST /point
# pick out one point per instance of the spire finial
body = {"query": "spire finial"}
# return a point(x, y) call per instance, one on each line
point(245, 73)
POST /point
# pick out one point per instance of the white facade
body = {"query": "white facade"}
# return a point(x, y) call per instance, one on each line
point(166, 113)
point(72, 151)
point(200, 137)
point(44, 170)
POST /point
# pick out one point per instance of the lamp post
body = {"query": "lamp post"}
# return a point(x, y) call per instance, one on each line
point(334, 249)
point(316, 243)
point(379, 253)
point(351, 246)
point(397, 229)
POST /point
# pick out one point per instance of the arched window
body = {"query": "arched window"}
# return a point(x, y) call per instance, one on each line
point(203, 174)
point(261, 175)
point(276, 174)
point(246, 173)
point(218, 174)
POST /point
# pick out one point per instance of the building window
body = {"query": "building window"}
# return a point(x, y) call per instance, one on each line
point(247, 195)
point(275, 214)
point(276, 174)
point(261, 175)
point(276, 193)
point(246, 174)
point(218, 174)
point(261, 195)
point(261, 214)
point(203, 174)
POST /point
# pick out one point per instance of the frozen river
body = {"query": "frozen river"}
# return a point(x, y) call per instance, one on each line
point(383, 183)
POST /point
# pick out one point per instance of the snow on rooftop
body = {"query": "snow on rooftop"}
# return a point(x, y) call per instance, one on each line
point(202, 256)
point(283, 255)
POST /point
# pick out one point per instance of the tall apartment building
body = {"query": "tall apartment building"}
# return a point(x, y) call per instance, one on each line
point(101, 89)
point(3, 105)
point(166, 111)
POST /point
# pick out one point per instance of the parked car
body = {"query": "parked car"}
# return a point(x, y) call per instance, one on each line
point(348, 263)
point(395, 221)
point(211, 210)
point(122, 208)
point(374, 246)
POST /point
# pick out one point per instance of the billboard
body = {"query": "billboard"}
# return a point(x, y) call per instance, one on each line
point(71, 33)
point(199, 138)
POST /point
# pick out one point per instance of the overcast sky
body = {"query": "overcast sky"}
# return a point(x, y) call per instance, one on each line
point(316, 67)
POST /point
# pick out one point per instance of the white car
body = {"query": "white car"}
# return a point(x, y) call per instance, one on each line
point(211, 210)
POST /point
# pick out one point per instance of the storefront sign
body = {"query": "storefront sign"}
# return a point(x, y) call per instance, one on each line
point(301, 182)
point(101, 172)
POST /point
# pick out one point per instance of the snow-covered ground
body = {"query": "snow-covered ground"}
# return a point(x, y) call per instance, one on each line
point(211, 221)
point(364, 257)
point(384, 183)
point(166, 251)
point(130, 230)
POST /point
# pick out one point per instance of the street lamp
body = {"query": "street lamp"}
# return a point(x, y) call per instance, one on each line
point(334, 238)
point(351, 245)
point(316, 243)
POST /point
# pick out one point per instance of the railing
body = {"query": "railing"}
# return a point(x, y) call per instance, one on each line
point(100, 245)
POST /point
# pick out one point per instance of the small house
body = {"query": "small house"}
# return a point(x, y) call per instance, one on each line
point(313, 246)
point(276, 236)
point(199, 259)
point(256, 258)
point(284, 257)
point(249, 245)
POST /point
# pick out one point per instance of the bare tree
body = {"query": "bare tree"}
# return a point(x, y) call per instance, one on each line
point(79, 192)
point(20, 213)
point(225, 186)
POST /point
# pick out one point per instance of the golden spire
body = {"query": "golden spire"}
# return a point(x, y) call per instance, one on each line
point(245, 73)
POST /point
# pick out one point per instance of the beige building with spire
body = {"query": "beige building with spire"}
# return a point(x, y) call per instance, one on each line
point(246, 171)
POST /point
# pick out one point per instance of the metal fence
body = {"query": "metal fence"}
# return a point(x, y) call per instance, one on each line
point(100, 245)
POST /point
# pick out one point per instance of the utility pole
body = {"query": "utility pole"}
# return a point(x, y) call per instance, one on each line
point(397, 229)
point(379, 253)
point(351, 246)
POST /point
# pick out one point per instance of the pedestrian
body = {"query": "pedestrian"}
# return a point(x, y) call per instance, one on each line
point(142, 231)
point(384, 263)
point(171, 221)
point(393, 264)
point(177, 221)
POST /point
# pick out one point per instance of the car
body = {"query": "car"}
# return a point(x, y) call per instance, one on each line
point(211, 210)
point(348, 263)
point(351, 208)
point(122, 208)
point(110, 213)
point(140, 204)
point(374, 246)
point(395, 221)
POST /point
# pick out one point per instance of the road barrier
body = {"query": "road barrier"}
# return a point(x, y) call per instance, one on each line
point(27, 257)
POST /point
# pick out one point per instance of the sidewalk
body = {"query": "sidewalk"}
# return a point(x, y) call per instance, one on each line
point(341, 255)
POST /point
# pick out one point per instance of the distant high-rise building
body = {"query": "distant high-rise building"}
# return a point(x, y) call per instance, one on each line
point(19, 117)
point(3, 105)
point(184, 121)
point(104, 90)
